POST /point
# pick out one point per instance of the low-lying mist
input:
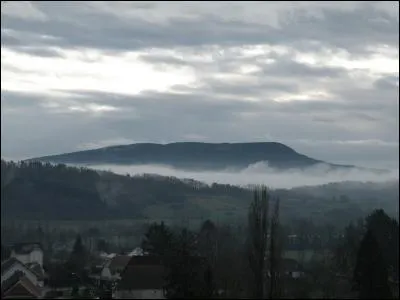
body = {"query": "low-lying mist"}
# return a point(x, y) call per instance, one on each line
point(259, 173)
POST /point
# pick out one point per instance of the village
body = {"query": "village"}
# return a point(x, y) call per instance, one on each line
point(107, 275)
point(24, 276)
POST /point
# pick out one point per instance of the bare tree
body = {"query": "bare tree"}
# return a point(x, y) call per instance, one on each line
point(275, 255)
point(258, 238)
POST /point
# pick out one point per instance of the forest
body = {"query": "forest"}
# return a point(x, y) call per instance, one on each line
point(42, 191)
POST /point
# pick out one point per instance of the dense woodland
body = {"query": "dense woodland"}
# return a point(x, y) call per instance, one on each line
point(42, 191)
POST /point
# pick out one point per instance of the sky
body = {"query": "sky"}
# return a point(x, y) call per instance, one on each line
point(320, 77)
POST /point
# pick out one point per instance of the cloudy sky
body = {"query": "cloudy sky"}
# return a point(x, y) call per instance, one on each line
point(321, 77)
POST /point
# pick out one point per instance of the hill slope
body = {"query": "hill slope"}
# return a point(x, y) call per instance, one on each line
point(199, 156)
point(42, 191)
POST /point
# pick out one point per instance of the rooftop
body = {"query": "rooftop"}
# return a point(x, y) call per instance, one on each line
point(119, 262)
point(8, 264)
point(11, 281)
point(37, 269)
point(22, 288)
point(137, 277)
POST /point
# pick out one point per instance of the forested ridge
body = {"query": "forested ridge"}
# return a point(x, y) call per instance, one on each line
point(35, 190)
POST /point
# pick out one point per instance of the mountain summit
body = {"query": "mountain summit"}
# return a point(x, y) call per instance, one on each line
point(193, 156)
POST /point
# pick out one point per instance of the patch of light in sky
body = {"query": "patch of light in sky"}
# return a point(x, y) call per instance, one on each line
point(316, 95)
point(87, 71)
point(377, 63)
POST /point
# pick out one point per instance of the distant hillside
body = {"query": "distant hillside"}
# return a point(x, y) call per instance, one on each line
point(41, 191)
point(189, 156)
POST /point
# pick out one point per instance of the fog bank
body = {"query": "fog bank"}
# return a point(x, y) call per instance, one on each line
point(258, 173)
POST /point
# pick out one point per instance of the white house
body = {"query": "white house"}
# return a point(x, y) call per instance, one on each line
point(28, 253)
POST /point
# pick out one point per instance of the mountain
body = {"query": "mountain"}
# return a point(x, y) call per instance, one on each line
point(42, 191)
point(190, 156)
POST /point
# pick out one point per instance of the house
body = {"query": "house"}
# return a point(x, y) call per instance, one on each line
point(12, 265)
point(28, 253)
point(38, 271)
point(96, 266)
point(21, 281)
point(113, 268)
point(19, 286)
point(142, 278)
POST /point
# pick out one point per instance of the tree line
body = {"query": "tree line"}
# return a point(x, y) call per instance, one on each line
point(366, 257)
point(218, 261)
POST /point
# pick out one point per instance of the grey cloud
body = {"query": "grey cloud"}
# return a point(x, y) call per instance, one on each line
point(164, 59)
point(388, 82)
point(38, 51)
point(287, 76)
point(289, 68)
point(283, 75)
point(281, 66)
point(323, 120)
point(345, 29)
point(363, 116)
point(19, 100)
point(257, 88)
point(78, 26)
point(367, 153)
point(209, 117)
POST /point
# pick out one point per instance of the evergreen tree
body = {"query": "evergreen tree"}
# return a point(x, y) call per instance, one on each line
point(77, 260)
point(386, 232)
point(102, 245)
point(158, 240)
point(370, 273)
point(180, 267)
point(189, 276)
point(208, 242)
